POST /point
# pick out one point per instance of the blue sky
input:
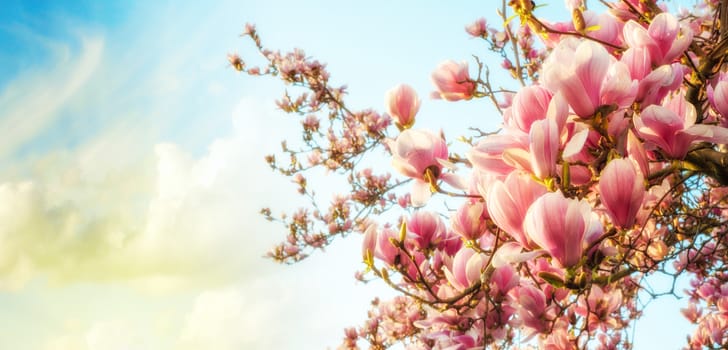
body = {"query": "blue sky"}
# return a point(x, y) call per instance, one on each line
point(131, 168)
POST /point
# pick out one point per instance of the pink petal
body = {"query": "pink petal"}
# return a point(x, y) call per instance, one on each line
point(621, 188)
point(420, 193)
point(544, 146)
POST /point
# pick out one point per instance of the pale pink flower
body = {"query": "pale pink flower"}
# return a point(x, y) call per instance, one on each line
point(469, 221)
point(512, 253)
point(638, 62)
point(453, 82)
point(487, 155)
point(672, 127)
point(529, 105)
point(402, 105)
point(531, 307)
point(504, 278)
point(385, 250)
point(426, 229)
point(466, 268)
point(622, 189)
point(664, 41)
point(718, 97)
point(588, 77)
point(561, 226)
point(659, 82)
point(509, 200)
point(478, 29)
point(369, 245)
point(603, 26)
point(600, 305)
point(413, 153)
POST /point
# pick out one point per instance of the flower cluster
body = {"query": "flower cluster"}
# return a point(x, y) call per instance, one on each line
point(610, 166)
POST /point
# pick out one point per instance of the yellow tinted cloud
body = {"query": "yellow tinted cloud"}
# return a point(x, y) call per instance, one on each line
point(101, 213)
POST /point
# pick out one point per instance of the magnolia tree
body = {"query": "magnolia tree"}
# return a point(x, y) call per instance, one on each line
point(610, 166)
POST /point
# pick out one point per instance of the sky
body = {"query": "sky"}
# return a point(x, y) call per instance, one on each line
point(132, 172)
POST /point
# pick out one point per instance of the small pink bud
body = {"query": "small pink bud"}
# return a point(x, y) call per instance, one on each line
point(478, 29)
point(402, 105)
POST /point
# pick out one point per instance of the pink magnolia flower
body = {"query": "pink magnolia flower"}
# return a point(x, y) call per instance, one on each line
point(588, 77)
point(504, 279)
point(638, 62)
point(664, 41)
point(718, 97)
point(478, 29)
point(622, 189)
point(453, 82)
point(413, 153)
point(561, 226)
point(369, 245)
point(402, 105)
point(531, 307)
point(426, 229)
point(603, 26)
point(509, 200)
point(529, 105)
point(487, 155)
point(659, 82)
point(384, 250)
point(466, 268)
point(672, 127)
point(469, 221)
point(599, 307)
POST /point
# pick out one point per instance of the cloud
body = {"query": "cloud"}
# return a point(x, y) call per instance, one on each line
point(226, 320)
point(157, 220)
point(117, 166)
point(32, 103)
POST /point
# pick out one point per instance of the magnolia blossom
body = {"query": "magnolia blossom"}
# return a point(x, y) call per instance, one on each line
point(453, 82)
point(671, 127)
point(531, 304)
point(561, 226)
point(478, 28)
point(509, 200)
point(529, 105)
point(602, 173)
point(622, 190)
point(663, 41)
point(402, 105)
point(469, 221)
point(413, 153)
point(588, 77)
point(378, 244)
point(718, 97)
point(425, 228)
point(466, 268)
point(488, 155)
point(599, 307)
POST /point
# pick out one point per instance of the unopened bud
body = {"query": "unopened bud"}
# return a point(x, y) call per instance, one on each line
point(578, 18)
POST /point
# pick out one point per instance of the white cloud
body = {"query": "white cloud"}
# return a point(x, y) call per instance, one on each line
point(225, 320)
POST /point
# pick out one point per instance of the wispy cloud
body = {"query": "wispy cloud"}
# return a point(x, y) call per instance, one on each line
point(32, 102)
